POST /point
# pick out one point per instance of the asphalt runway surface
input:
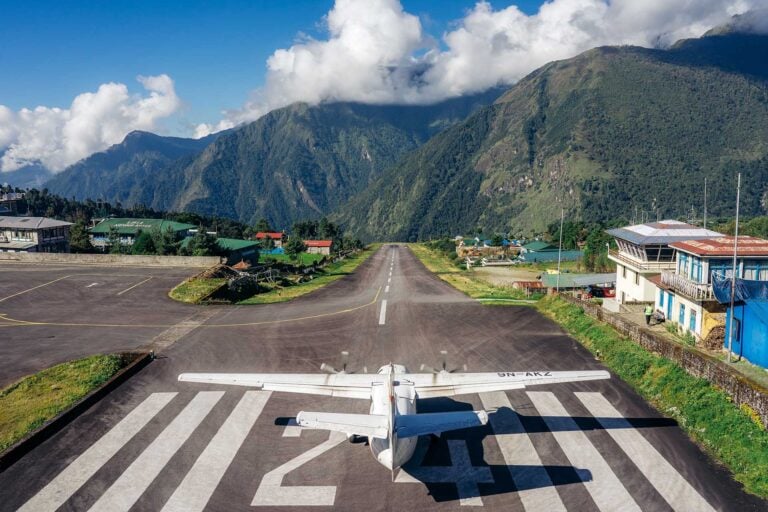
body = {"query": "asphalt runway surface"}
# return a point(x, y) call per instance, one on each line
point(158, 444)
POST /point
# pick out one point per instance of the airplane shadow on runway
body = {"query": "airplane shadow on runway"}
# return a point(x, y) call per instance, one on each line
point(435, 453)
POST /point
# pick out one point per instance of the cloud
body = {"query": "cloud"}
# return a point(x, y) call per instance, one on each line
point(376, 52)
point(57, 137)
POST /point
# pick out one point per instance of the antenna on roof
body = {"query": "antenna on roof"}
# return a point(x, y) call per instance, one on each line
point(705, 202)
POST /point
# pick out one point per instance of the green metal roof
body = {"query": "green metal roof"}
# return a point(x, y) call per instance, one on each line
point(133, 226)
point(235, 244)
point(539, 246)
point(568, 280)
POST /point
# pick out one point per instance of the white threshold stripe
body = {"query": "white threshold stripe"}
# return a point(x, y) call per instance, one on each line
point(127, 489)
point(61, 488)
point(383, 314)
point(534, 486)
point(668, 482)
point(605, 488)
point(197, 487)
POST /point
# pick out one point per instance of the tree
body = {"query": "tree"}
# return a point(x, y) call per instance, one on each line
point(263, 226)
point(113, 239)
point(78, 238)
point(202, 244)
point(497, 240)
point(165, 241)
point(144, 244)
point(294, 247)
point(596, 251)
point(306, 229)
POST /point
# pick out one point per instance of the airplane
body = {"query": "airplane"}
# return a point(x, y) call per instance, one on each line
point(392, 426)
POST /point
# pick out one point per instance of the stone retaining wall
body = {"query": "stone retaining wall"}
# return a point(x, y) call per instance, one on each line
point(111, 259)
point(698, 364)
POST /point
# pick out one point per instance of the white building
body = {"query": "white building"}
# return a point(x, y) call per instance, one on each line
point(33, 234)
point(684, 293)
point(644, 252)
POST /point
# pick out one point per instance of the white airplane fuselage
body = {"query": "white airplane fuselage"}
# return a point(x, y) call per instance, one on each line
point(392, 400)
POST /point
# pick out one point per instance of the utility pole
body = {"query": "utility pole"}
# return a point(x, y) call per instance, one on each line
point(705, 202)
point(733, 271)
point(560, 248)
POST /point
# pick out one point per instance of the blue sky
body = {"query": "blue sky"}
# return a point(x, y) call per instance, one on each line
point(51, 51)
point(94, 71)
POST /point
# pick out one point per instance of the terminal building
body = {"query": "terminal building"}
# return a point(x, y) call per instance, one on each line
point(33, 234)
point(644, 252)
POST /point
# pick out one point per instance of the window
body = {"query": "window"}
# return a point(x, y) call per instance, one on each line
point(681, 316)
point(661, 299)
point(624, 272)
point(692, 321)
point(637, 277)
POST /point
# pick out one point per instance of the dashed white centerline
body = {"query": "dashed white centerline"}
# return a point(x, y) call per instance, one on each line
point(389, 280)
point(383, 314)
point(386, 290)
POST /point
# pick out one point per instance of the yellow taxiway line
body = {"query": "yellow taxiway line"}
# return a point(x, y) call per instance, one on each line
point(24, 323)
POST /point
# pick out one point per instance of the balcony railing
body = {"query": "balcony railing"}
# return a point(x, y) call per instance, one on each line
point(647, 266)
point(687, 287)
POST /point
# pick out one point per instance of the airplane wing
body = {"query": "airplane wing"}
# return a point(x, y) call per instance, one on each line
point(450, 384)
point(347, 385)
point(368, 425)
point(411, 425)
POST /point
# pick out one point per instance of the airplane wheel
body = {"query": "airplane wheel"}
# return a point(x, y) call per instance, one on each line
point(354, 438)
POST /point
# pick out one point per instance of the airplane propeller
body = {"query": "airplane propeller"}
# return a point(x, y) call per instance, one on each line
point(344, 362)
point(443, 365)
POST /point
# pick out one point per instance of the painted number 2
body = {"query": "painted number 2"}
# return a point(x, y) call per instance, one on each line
point(271, 491)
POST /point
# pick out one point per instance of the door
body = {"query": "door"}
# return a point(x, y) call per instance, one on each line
point(669, 306)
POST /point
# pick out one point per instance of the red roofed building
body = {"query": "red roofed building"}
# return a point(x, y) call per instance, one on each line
point(685, 294)
point(318, 246)
point(277, 238)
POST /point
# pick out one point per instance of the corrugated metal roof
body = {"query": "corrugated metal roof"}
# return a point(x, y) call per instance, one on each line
point(272, 235)
point(31, 223)
point(663, 232)
point(318, 243)
point(128, 226)
point(235, 244)
point(723, 246)
point(577, 280)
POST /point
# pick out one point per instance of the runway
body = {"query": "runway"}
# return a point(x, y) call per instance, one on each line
point(157, 444)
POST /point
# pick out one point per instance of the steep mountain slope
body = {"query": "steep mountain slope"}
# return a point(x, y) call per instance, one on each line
point(301, 161)
point(28, 176)
point(120, 173)
point(611, 130)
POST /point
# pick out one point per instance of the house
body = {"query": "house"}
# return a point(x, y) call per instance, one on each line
point(277, 238)
point(544, 252)
point(685, 293)
point(9, 202)
point(33, 234)
point(128, 229)
point(750, 317)
point(318, 246)
point(644, 252)
point(239, 250)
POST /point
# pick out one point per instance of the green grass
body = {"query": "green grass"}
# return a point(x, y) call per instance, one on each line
point(195, 290)
point(330, 273)
point(733, 435)
point(303, 258)
point(32, 401)
point(463, 280)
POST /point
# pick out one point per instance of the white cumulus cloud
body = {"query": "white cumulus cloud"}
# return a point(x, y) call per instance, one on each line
point(58, 137)
point(375, 52)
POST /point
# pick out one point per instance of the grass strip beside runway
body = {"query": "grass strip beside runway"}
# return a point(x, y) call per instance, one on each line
point(194, 290)
point(35, 399)
point(463, 280)
point(732, 435)
point(330, 273)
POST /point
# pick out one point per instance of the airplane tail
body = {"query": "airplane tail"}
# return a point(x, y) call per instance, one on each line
point(436, 422)
point(366, 425)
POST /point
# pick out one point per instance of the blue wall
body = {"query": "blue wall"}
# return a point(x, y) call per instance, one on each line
point(752, 325)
